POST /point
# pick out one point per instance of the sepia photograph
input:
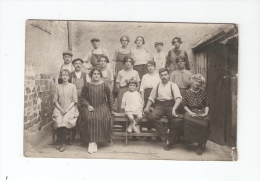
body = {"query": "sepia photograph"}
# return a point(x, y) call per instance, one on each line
point(130, 90)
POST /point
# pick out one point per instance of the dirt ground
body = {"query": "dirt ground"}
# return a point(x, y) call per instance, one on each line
point(138, 150)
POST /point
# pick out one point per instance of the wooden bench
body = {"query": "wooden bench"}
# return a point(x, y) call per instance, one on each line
point(121, 120)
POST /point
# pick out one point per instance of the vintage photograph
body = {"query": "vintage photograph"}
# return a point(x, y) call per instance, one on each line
point(130, 90)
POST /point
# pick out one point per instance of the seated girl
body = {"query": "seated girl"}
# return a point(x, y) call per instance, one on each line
point(132, 103)
point(196, 119)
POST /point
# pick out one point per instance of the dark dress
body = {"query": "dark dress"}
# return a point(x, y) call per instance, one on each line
point(196, 129)
point(96, 126)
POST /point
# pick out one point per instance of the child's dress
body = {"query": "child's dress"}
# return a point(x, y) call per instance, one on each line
point(132, 103)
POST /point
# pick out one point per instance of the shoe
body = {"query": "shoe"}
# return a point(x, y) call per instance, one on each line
point(159, 139)
point(135, 128)
point(62, 148)
point(90, 148)
point(58, 147)
point(147, 139)
point(95, 147)
point(199, 151)
point(167, 147)
point(130, 128)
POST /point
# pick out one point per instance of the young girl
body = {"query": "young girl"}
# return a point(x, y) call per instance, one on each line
point(132, 103)
point(123, 79)
point(108, 77)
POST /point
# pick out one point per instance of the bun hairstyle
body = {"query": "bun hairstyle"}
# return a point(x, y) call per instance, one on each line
point(142, 39)
point(127, 58)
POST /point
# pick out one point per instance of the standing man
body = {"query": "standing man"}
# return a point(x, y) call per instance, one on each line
point(78, 78)
point(166, 98)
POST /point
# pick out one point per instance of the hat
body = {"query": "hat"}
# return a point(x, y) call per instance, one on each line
point(94, 39)
point(67, 53)
point(77, 59)
point(158, 42)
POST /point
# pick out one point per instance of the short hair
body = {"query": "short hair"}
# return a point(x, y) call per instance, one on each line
point(132, 81)
point(92, 71)
point(163, 70)
point(142, 39)
point(66, 71)
point(106, 58)
point(125, 36)
point(127, 58)
point(151, 62)
point(177, 38)
point(180, 58)
point(199, 77)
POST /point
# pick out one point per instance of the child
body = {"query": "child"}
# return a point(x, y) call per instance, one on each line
point(132, 103)
point(108, 77)
point(67, 57)
point(159, 56)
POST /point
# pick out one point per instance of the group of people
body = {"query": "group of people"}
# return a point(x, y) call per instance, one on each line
point(136, 83)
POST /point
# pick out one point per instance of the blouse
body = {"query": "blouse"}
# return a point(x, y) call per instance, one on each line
point(140, 56)
point(149, 81)
point(181, 78)
point(123, 75)
point(195, 100)
point(160, 59)
point(132, 101)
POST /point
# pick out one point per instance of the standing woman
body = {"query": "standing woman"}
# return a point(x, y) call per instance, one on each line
point(65, 112)
point(107, 74)
point(95, 112)
point(196, 119)
point(141, 56)
point(175, 53)
point(123, 79)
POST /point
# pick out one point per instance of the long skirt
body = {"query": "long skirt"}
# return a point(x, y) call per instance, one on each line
point(95, 126)
point(196, 129)
point(121, 92)
point(141, 69)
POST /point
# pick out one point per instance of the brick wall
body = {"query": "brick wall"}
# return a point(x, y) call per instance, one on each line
point(45, 42)
point(38, 100)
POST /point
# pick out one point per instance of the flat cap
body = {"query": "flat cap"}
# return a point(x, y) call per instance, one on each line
point(94, 39)
point(158, 42)
point(67, 53)
point(77, 59)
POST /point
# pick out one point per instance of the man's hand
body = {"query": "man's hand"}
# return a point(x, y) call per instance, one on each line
point(174, 113)
point(146, 110)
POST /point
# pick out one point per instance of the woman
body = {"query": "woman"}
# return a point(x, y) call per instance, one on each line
point(107, 74)
point(196, 119)
point(176, 52)
point(140, 56)
point(65, 112)
point(123, 78)
point(95, 112)
point(149, 81)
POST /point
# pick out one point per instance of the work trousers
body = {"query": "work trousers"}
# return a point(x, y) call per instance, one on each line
point(164, 108)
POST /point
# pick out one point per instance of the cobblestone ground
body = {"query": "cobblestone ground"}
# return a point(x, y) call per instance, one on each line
point(139, 150)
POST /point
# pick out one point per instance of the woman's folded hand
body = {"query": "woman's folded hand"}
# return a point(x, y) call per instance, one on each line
point(90, 108)
point(192, 114)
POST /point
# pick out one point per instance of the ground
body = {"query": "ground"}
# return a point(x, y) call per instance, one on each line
point(139, 150)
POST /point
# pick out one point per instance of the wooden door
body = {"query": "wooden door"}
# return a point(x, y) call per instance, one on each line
point(216, 90)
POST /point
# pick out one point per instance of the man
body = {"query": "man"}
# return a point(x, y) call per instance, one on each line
point(67, 57)
point(78, 78)
point(92, 58)
point(159, 56)
point(166, 98)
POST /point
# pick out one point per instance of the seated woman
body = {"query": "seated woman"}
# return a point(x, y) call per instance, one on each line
point(95, 113)
point(65, 112)
point(196, 119)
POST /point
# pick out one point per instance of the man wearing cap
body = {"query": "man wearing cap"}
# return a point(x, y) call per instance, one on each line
point(92, 58)
point(159, 56)
point(67, 57)
point(78, 78)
